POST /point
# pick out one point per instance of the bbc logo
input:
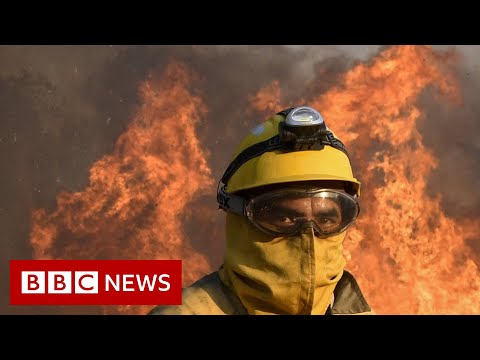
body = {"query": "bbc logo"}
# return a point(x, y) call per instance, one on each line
point(59, 282)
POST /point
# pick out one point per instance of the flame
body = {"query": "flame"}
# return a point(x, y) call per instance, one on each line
point(267, 99)
point(407, 255)
point(134, 203)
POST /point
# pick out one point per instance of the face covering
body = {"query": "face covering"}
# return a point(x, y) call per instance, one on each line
point(281, 275)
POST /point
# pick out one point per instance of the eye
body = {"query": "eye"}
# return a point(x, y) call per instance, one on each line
point(285, 220)
point(327, 222)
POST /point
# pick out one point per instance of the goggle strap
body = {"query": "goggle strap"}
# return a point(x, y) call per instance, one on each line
point(229, 202)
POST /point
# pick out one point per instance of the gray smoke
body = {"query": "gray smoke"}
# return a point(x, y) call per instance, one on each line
point(451, 132)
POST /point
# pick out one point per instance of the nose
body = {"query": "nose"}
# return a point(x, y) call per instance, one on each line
point(310, 227)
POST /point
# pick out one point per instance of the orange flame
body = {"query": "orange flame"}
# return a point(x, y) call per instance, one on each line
point(133, 206)
point(407, 255)
point(267, 99)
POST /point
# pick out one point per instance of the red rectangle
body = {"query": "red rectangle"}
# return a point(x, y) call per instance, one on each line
point(95, 282)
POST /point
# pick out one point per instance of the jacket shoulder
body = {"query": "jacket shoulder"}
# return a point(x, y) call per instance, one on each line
point(207, 296)
point(348, 298)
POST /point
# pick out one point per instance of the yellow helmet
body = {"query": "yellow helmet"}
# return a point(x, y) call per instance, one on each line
point(293, 145)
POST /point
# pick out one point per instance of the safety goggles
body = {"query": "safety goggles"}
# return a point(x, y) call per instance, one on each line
point(289, 211)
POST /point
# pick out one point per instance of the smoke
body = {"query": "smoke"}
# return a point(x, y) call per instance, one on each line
point(64, 107)
point(452, 133)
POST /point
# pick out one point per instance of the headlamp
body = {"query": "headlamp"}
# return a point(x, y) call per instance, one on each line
point(303, 116)
point(302, 129)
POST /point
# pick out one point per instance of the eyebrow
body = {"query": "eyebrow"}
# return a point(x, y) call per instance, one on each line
point(288, 210)
point(330, 213)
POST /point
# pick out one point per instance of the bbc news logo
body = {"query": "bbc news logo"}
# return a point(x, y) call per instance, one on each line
point(95, 282)
point(86, 282)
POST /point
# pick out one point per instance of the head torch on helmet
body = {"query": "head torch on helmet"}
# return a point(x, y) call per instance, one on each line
point(302, 129)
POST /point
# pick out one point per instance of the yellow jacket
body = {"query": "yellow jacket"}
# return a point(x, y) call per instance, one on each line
point(209, 296)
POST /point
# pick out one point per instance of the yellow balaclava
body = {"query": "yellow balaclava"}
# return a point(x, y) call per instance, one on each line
point(281, 275)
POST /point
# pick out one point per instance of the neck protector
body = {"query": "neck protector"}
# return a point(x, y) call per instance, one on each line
point(281, 275)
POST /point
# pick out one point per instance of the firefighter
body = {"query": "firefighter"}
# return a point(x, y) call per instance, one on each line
point(289, 195)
